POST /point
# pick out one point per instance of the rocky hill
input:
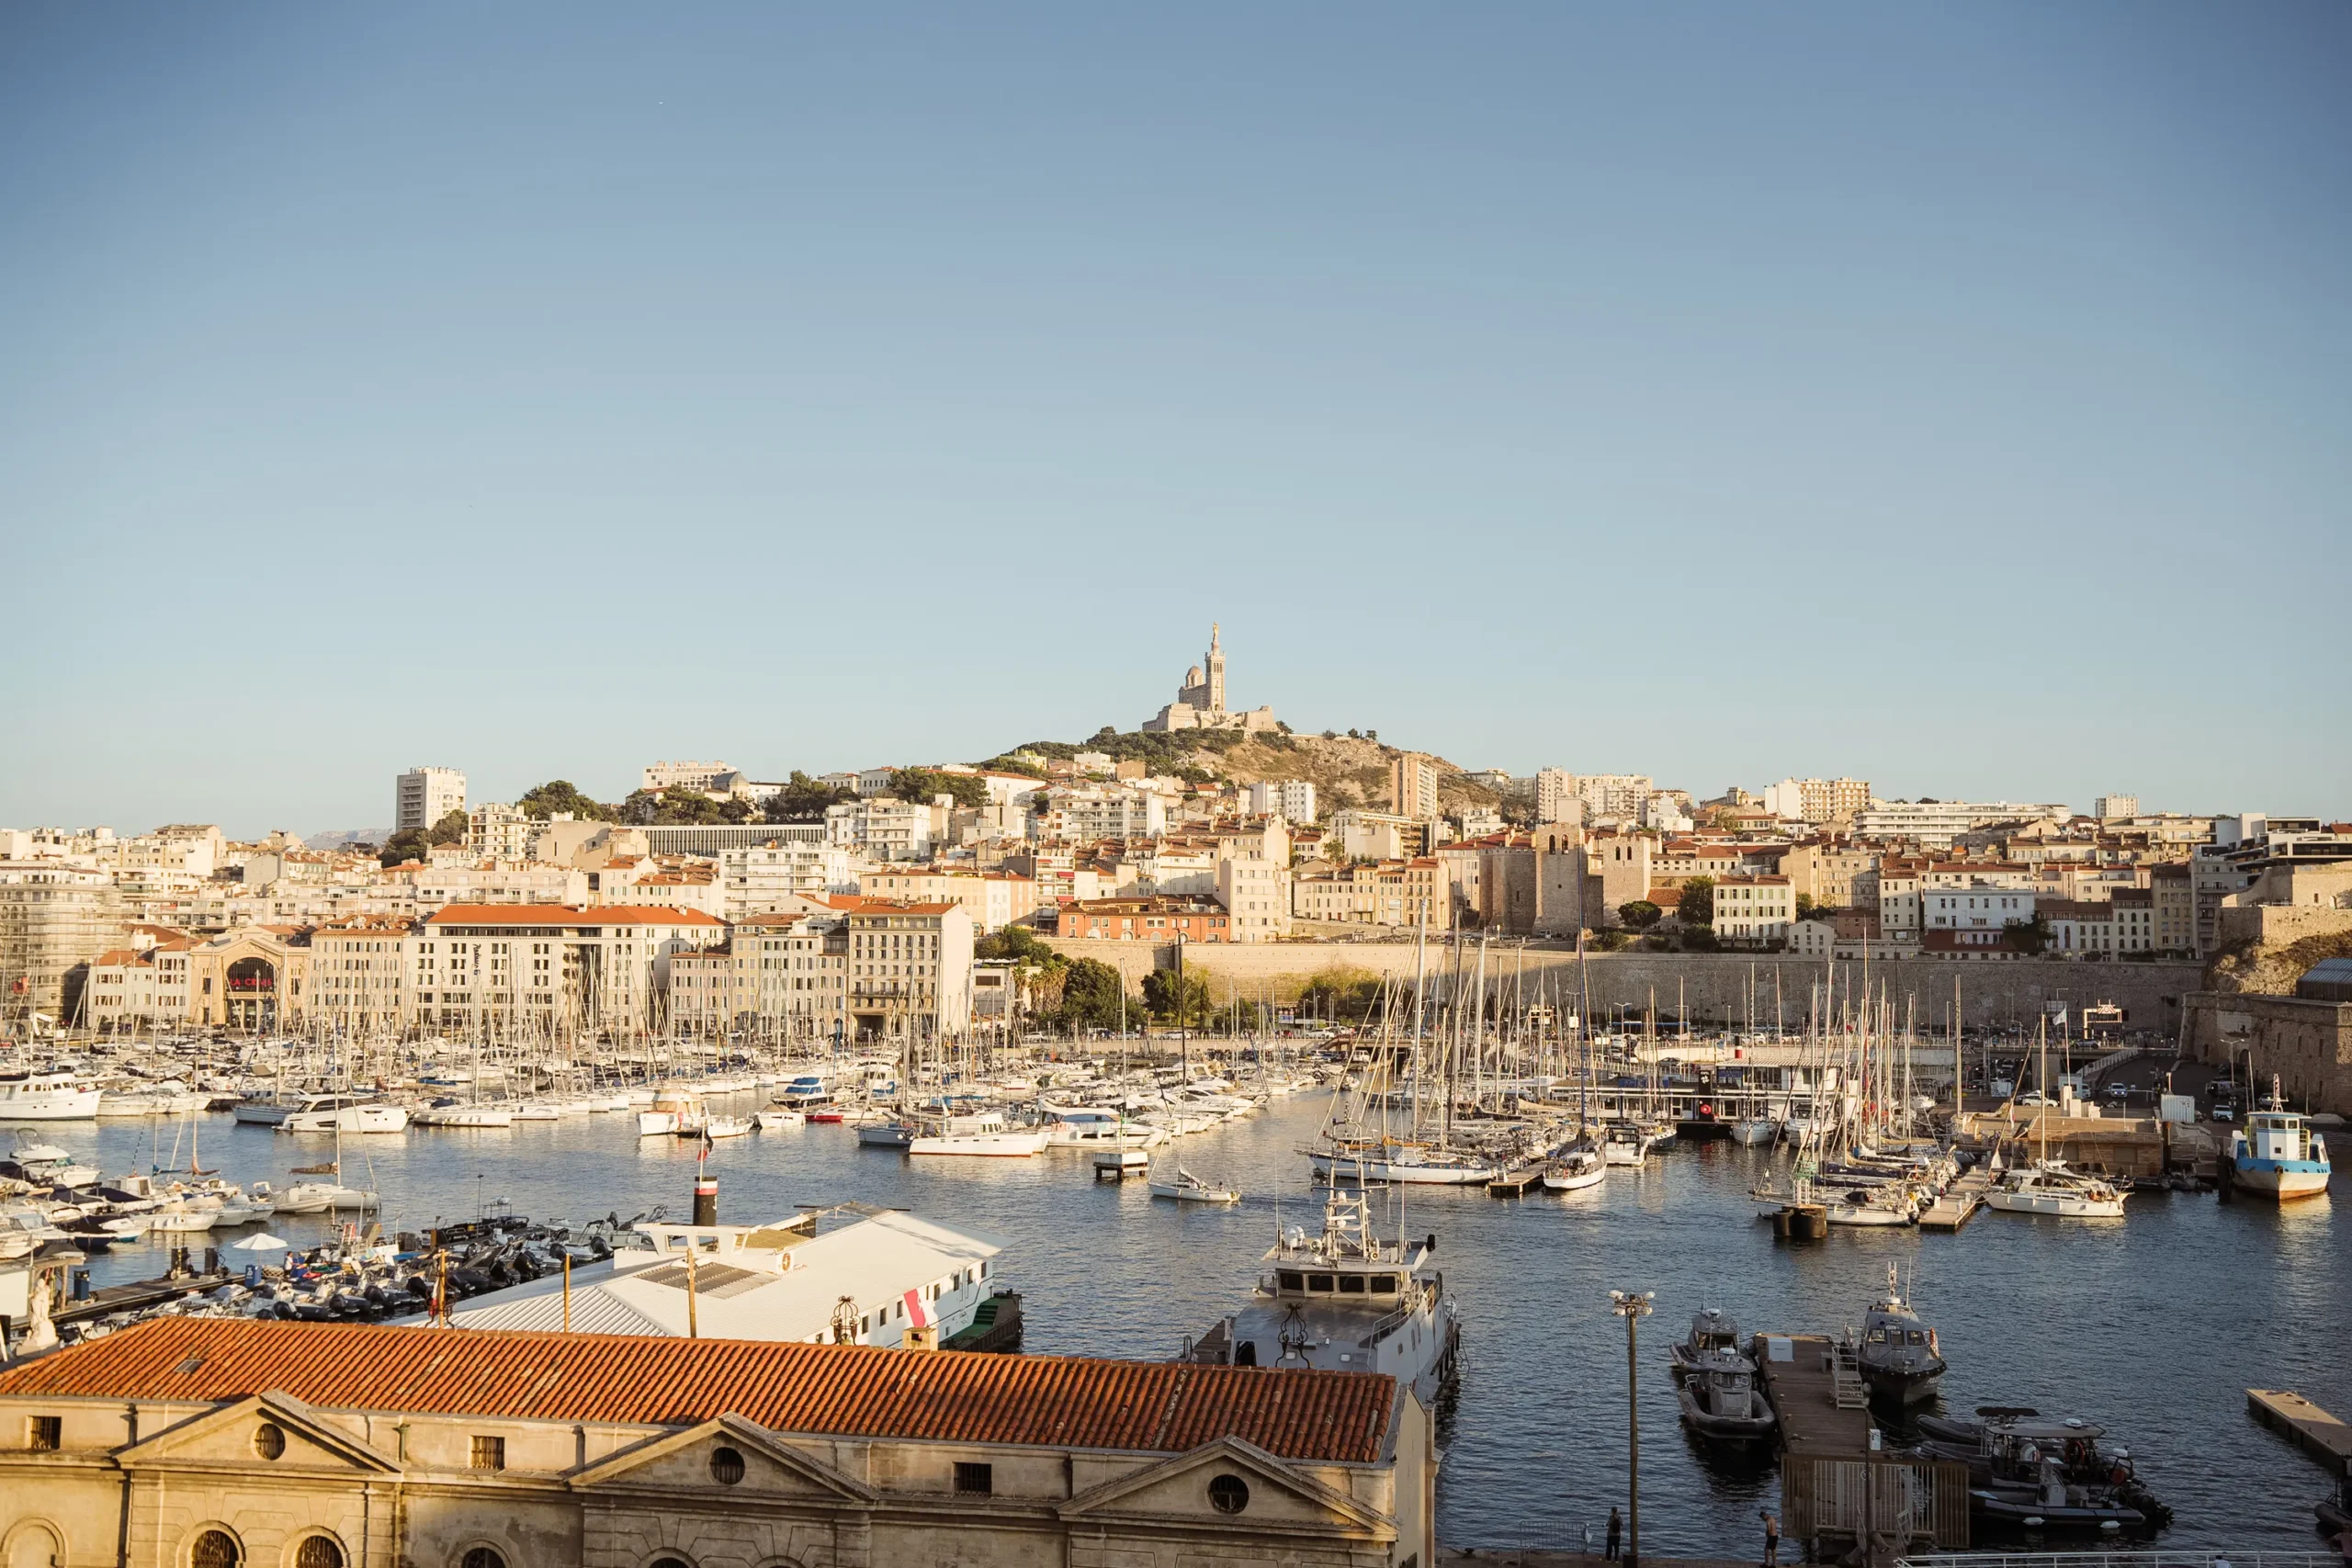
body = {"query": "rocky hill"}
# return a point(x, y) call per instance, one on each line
point(2268, 969)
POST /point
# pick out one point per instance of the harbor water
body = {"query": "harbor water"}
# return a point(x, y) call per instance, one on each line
point(2154, 1327)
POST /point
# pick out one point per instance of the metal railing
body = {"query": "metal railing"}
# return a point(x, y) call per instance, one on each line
point(2164, 1558)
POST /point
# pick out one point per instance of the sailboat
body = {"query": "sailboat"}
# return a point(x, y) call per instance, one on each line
point(2047, 1187)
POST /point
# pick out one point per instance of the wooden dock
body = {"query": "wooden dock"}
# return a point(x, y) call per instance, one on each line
point(1835, 1486)
point(1514, 1183)
point(138, 1295)
point(1959, 1203)
point(1817, 1392)
point(2304, 1422)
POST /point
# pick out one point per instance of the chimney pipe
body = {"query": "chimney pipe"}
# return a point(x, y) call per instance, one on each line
point(706, 1199)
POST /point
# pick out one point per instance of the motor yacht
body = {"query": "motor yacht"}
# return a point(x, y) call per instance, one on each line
point(1623, 1143)
point(1344, 1299)
point(984, 1135)
point(1093, 1128)
point(343, 1113)
point(778, 1121)
point(48, 1096)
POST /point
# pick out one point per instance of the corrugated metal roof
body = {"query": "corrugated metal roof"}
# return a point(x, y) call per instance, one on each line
point(846, 1390)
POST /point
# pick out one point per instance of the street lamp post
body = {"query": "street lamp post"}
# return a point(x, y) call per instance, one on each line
point(1632, 1306)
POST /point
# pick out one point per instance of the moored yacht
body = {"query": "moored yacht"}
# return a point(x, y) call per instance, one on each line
point(2047, 1187)
point(343, 1113)
point(48, 1096)
point(1717, 1388)
point(984, 1135)
point(1344, 1300)
point(2277, 1154)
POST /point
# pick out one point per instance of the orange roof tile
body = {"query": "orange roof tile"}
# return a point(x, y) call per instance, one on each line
point(852, 1389)
point(566, 915)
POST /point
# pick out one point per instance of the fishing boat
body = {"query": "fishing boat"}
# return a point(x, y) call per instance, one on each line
point(48, 1096)
point(1899, 1357)
point(2277, 1154)
point(1184, 1187)
point(1575, 1169)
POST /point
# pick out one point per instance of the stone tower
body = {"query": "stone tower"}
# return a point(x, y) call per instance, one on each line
point(1216, 669)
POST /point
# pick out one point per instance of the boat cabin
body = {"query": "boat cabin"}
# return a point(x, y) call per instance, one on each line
point(2279, 1134)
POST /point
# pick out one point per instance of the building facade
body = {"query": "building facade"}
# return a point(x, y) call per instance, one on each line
point(422, 796)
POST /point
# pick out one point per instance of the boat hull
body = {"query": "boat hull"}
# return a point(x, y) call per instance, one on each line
point(2280, 1178)
point(986, 1146)
point(1403, 1173)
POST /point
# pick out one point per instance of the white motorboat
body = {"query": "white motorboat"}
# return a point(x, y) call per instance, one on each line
point(1186, 1188)
point(343, 1113)
point(1575, 1169)
point(1752, 1131)
point(884, 1134)
point(48, 1096)
point(726, 1127)
point(2277, 1154)
point(324, 1196)
point(778, 1121)
point(179, 1218)
point(1624, 1144)
point(984, 1135)
point(539, 1110)
point(1091, 1128)
point(2049, 1187)
point(674, 1110)
point(656, 1123)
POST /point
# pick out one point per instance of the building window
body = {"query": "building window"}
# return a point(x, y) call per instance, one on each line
point(483, 1557)
point(270, 1440)
point(975, 1480)
point(725, 1466)
point(45, 1433)
point(318, 1551)
point(490, 1454)
point(215, 1548)
point(1228, 1494)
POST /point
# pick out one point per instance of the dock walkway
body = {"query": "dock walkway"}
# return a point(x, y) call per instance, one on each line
point(2307, 1426)
point(1818, 1394)
point(1959, 1203)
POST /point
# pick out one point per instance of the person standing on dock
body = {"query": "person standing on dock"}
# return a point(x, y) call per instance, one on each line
point(1771, 1538)
point(1616, 1526)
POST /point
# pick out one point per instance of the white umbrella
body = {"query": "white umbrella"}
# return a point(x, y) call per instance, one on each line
point(264, 1242)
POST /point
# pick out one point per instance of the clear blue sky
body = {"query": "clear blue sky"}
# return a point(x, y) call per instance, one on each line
point(1957, 396)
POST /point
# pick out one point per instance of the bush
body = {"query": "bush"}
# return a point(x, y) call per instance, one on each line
point(1640, 914)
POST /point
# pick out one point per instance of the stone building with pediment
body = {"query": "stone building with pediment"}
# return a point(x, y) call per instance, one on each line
point(222, 1442)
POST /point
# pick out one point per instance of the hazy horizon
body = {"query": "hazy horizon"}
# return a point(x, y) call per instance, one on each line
point(1958, 398)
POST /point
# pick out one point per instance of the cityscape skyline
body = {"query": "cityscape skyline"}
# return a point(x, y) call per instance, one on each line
point(1843, 393)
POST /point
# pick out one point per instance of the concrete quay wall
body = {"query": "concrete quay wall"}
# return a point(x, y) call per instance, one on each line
point(1717, 986)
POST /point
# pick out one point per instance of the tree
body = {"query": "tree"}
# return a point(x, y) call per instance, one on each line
point(804, 799)
point(1340, 990)
point(1092, 994)
point(1179, 1001)
point(922, 783)
point(450, 829)
point(1697, 905)
point(558, 795)
point(406, 845)
point(2027, 936)
point(1640, 914)
point(1607, 939)
point(1701, 939)
point(677, 807)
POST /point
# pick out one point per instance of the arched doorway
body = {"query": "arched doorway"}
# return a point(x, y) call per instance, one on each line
point(252, 994)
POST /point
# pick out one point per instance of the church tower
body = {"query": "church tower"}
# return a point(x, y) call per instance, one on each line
point(1216, 669)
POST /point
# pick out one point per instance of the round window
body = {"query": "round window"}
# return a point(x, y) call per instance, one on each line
point(1228, 1494)
point(484, 1557)
point(270, 1440)
point(318, 1551)
point(725, 1466)
point(215, 1548)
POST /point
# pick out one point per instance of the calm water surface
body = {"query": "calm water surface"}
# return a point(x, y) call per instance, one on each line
point(2155, 1327)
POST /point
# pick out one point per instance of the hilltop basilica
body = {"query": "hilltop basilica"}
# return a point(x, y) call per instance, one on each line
point(1200, 700)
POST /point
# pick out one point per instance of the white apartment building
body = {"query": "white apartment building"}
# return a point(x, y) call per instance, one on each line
point(1292, 799)
point(881, 827)
point(1084, 814)
point(1621, 795)
point(1816, 800)
point(499, 830)
point(1412, 787)
point(1935, 823)
point(793, 973)
point(2107, 807)
point(993, 899)
point(1751, 912)
point(1555, 798)
point(138, 987)
point(1405, 894)
point(422, 796)
point(697, 776)
point(359, 970)
point(799, 861)
point(2108, 928)
point(1378, 835)
point(1981, 906)
point(1253, 884)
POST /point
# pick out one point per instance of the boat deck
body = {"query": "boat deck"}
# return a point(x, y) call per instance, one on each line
point(2310, 1427)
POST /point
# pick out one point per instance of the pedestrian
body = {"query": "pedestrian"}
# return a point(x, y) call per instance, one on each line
point(1771, 1538)
point(1615, 1526)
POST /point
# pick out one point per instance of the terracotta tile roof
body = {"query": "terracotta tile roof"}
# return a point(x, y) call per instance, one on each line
point(852, 1389)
